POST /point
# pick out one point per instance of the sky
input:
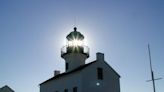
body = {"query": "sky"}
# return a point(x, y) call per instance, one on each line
point(32, 33)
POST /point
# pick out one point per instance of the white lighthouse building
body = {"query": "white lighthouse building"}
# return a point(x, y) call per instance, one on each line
point(96, 76)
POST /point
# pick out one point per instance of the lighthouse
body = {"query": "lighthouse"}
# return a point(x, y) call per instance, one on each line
point(75, 52)
point(95, 76)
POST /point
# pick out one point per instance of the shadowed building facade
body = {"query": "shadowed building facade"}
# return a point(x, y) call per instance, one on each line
point(96, 76)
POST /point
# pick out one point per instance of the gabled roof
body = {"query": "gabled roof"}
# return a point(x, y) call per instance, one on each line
point(6, 87)
point(70, 72)
point(76, 70)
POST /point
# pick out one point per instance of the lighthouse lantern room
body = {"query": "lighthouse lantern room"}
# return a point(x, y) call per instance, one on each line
point(75, 52)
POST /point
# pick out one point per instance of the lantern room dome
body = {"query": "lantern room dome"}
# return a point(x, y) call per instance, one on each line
point(75, 35)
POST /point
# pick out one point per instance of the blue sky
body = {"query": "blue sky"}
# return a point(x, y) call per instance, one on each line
point(32, 34)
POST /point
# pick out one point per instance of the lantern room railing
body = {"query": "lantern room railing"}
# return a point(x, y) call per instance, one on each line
point(65, 50)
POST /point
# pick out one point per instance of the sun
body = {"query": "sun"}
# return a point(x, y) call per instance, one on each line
point(75, 42)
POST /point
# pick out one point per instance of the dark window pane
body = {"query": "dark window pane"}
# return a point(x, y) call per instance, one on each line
point(100, 73)
point(65, 90)
point(75, 89)
point(66, 66)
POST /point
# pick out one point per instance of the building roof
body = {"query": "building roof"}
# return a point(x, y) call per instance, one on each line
point(6, 87)
point(70, 72)
point(76, 70)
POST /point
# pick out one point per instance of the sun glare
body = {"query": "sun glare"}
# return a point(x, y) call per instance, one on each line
point(75, 42)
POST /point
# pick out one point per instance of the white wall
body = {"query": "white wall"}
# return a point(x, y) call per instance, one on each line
point(66, 82)
point(110, 82)
point(74, 60)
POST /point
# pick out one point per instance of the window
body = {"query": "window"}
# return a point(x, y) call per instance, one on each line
point(100, 73)
point(66, 66)
point(75, 89)
point(65, 90)
point(56, 91)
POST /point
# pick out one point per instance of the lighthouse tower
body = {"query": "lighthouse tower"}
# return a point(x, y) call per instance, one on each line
point(75, 52)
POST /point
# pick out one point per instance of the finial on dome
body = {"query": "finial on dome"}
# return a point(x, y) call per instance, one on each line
point(75, 29)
